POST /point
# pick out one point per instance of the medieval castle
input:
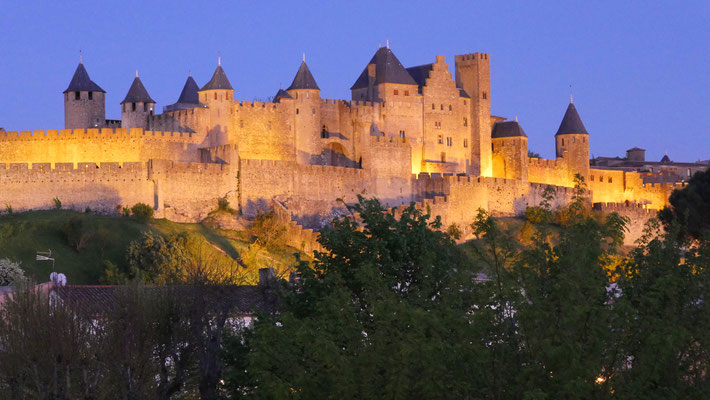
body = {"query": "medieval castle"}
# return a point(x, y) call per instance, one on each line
point(407, 134)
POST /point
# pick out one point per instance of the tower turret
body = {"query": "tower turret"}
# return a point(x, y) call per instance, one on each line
point(137, 106)
point(84, 102)
point(306, 97)
point(189, 97)
point(473, 75)
point(510, 151)
point(572, 143)
point(217, 95)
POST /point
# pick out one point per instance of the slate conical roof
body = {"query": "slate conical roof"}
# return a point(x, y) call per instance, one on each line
point(571, 123)
point(281, 94)
point(303, 79)
point(137, 93)
point(219, 81)
point(189, 92)
point(507, 129)
point(81, 82)
point(388, 69)
point(665, 159)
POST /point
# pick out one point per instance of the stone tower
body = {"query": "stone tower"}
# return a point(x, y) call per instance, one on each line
point(84, 102)
point(307, 128)
point(137, 107)
point(473, 75)
point(572, 144)
point(510, 151)
point(217, 95)
point(383, 76)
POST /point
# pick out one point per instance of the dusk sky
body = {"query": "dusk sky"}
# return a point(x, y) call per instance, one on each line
point(640, 71)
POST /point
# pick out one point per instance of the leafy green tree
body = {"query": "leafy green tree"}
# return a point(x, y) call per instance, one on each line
point(158, 259)
point(690, 207)
point(376, 316)
point(142, 212)
point(10, 272)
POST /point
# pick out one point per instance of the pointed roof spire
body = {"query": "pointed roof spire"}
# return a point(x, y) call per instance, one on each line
point(189, 92)
point(303, 79)
point(81, 82)
point(137, 93)
point(219, 79)
point(388, 69)
point(571, 123)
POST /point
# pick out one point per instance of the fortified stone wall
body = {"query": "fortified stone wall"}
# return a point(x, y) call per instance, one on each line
point(638, 217)
point(261, 180)
point(100, 187)
point(387, 161)
point(97, 145)
point(611, 186)
point(551, 172)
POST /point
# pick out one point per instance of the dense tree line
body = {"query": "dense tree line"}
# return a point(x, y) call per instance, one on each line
point(395, 309)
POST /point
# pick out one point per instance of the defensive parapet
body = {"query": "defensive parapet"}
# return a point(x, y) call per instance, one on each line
point(99, 134)
point(638, 216)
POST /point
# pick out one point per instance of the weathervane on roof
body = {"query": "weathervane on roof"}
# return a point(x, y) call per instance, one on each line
point(571, 100)
point(80, 56)
point(219, 58)
point(388, 43)
point(136, 72)
point(304, 56)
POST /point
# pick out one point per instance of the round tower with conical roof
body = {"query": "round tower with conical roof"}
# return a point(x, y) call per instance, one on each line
point(218, 96)
point(307, 120)
point(137, 107)
point(84, 102)
point(510, 151)
point(572, 144)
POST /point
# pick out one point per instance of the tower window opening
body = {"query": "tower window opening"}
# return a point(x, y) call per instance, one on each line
point(449, 141)
point(591, 178)
point(215, 95)
point(313, 111)
point(440, 139)
point(324, 134)
point(133, 106)
point(443, 156)
point(297, 111)
point(485, 95)
point(91, 95)
point(450, 108)
point(464, 102)
point(465, 121)
point(465, 143)
point(406, 92)
point(396, 92)
point(563, 142)
point(77, 95)
point(401, 133)
point(145, 107)
point(433, 107)
point(441, 107)
point(609, 179)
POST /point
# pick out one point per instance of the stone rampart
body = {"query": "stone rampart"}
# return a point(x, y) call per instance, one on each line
point(637, 214)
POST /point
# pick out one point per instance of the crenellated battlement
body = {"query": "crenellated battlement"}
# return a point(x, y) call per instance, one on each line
point(389, 141)
point(543, 162)
point(98, 134)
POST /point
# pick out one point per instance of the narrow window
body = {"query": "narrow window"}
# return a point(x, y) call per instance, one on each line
point(465, 143)
point(563, 142)
point(442, 107)
point(591, 178)
point(406, 92)
point(440, 139)
point(145, 107)
point(609, 179)
point(443, 156)
point(396, 92)
point(133, 106)
point(313, 111)
point(485, 95)
point(465, 121)
point(401, 133)
point(324, 134)
point(77, 95)
point(449, 142)
point(215, 95)
point(297, 111)
point(91, 95)
point(464, 102)
point(450, 108)
point(433, 107)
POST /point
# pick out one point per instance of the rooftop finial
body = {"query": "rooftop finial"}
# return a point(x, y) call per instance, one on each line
point(219, 58)
point(304, 56)
point(80, 61)
point(388, 43)
point(136, 73)
point(516, 118)
point(571, 100)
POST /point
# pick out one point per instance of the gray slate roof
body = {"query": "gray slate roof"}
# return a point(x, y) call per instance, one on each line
point(388, 69)
point(281, 94)
point(189, 98)
point(420, 73)
point(666, 159)
point(137, 93)
point(81, 82)
point(571, 123)
point(219, 81)
point(303, 79)
point(507, 129)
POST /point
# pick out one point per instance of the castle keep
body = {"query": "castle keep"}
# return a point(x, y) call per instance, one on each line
point(407, 134)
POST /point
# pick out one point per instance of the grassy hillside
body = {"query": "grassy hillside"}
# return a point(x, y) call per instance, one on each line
point(22, 235)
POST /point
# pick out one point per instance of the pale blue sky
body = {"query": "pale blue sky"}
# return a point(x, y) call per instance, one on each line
point(640, 70)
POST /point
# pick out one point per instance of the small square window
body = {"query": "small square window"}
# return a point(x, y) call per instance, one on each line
point(396, 92)
point(406, 92)
point(440, 139)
